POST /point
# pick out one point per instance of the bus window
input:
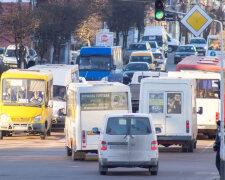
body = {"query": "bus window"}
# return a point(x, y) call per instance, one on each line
point(207, 88)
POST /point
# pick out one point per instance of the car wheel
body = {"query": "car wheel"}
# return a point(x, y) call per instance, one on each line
point(154, 170)
point(43, 135)
point(102, 170)
point(68, 151)
point(191, 146)
point(170, 49)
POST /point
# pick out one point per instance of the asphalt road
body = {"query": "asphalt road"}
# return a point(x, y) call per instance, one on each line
point(27, 157)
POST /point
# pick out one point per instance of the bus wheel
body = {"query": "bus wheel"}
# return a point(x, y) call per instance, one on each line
point(1, 134)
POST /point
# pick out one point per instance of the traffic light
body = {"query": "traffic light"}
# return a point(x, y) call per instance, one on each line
point(159, 10)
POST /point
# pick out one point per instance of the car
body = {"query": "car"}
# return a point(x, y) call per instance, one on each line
point(154, 46)
point(161, 61)
point(2, 52)
point(200, 45)
point(128, 140)
point(183, 51)
point(172, 43)
point(143, 56)
point(133, 67)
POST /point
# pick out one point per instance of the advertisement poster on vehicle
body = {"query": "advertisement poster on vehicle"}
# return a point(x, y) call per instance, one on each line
point(156, 102)
point(104, 101)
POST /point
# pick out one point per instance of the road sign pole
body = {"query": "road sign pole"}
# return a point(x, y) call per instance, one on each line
point(222, 158)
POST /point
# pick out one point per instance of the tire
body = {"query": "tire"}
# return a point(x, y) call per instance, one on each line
point(154, 170)
point(68, 151)
point(102, 169)
point(43, 135)
point(184, 148)
point(49, 132)
point(191, 146)
point(1, 135)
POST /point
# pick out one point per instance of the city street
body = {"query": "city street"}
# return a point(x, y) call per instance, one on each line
point(27, 157)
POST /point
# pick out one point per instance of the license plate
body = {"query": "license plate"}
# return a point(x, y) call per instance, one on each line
point(91, 133)
point(118, 146)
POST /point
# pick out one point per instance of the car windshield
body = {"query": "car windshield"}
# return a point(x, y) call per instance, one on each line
point(96, 63)
point(31, 52)
point(157, 55)
point(128, 126)
point(25, 92)
point(147, 59)
point(11, 53)
point(185, 49)
point(137, 67)
point(198, 41)
point(59, 92)
point(137, 47)
point(152, 43)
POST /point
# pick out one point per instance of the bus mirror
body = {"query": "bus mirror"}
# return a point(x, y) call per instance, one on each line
point(200, 110)
point(95, 130)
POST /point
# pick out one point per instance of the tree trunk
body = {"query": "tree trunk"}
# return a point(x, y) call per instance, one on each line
point(139, 34)
point(117, 38)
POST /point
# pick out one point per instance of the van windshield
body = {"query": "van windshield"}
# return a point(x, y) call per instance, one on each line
point(138, 47)
point(95, 62)
point(158, 39)
point(128, 126)
point(23, 92)
point(59, 92)
point(147, 59)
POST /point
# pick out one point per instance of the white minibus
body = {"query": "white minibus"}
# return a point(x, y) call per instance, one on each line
point(63, 75)
point(86, 107)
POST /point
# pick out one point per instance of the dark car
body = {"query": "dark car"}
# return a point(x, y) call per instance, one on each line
point(133, 67)
point(183, 51)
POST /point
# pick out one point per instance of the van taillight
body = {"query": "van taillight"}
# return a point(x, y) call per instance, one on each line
point(187, 126)
point(104, 145)
point(217, 116)
point(83, 137)
point(154, 145)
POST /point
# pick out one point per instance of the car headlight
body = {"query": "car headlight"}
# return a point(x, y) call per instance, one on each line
point(4, 117)
point(205, 47)
point(38, 118)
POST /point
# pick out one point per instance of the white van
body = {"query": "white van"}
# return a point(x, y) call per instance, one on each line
point(128, 140)
point(10, 56)
point(63, 75)
point(207, 98)
point(86, 107)
point(171, 102)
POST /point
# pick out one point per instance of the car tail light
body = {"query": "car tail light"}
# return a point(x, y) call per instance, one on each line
point(83, 137)
point(154, 145)
point(104, 145)
point(187, 126)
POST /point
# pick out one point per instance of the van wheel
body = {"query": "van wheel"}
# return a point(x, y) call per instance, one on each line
point(43, 135)
point(191, 146)
point(68, 151)
point(1, 134)
point(184, 148)
point(154, 170)
point(49, 132)
point(102, 169)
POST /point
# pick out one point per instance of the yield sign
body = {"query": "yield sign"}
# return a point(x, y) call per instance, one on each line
point(196, 20)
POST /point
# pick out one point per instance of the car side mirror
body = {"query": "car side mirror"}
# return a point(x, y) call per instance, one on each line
point(200, 110)
point(95, 130)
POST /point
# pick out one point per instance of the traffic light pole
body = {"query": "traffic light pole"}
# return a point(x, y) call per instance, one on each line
point(222, 154)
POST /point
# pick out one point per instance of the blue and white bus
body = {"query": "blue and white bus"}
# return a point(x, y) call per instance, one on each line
point(97, 63)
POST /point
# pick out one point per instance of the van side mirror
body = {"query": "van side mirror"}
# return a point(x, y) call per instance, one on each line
point(200, 110)
point(95, 130)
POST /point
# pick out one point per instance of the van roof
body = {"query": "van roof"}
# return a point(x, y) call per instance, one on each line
point(100, 86)
point(164, 79)
point(141, 53)
point(57, 71)
point(154, 30)
point(127, 115)
point(17, 73)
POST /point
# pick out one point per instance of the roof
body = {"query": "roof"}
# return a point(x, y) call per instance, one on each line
point(96, 51)
point(204, 63)
point(61, 72)
point(141, 53)
point(18, 73)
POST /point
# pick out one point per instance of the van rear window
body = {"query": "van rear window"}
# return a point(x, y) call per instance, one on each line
point(128, 126)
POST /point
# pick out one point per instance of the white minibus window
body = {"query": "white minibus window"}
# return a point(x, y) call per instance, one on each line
point(156, 102)
point(174, 103)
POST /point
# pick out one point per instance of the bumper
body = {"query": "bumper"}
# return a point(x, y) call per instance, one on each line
point(207, 127)
point(59, 120)
point(31, 127)
point(144, 164)
point(177, 140)
point(201, 52)
point(11, 65)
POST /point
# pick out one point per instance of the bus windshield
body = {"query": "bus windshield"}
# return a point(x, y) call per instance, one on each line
point(23, 92)
point(95, 62)
point(207, 88)
point(59, 92)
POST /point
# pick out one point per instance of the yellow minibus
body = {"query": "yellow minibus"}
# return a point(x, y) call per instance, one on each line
point(25, 102)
